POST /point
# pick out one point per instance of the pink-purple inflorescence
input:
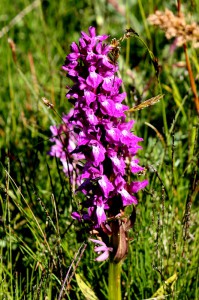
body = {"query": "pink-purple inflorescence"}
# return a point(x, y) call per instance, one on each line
point(95, 141)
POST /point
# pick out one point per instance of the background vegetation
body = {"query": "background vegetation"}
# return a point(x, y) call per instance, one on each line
point(38, 242)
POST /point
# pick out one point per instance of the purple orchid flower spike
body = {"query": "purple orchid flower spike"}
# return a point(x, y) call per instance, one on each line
point(96, 143)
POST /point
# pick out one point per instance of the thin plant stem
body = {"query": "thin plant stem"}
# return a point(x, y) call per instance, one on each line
point(114, 281)
point(80, 251)
point(144, 19)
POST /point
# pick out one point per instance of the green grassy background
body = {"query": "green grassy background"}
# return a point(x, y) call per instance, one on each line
point(37, 240)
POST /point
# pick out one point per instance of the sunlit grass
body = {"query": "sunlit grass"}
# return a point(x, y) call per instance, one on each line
point(37, 239)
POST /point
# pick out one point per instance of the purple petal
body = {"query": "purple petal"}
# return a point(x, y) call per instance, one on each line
point(108, 83)
point(119, 110)
point(91, 117)
point(90, 96)
point(98, 152)
point(105, 185)
point(100, 213)
point(138, 185)
point(74, 47)
point(112, 135)
point(76, 216)
point(103, 248)
point(135, 168)
point(94, 79)
point(92, 31)
point(107, 107)
point(127, 199)
point(118, 163)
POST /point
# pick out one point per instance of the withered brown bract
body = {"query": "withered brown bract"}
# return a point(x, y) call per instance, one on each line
point(115, 51)
point(119, 241)
point(115, 44)
point(47, 102)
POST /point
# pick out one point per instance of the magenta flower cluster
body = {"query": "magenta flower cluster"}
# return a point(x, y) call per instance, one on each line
point(97, 140)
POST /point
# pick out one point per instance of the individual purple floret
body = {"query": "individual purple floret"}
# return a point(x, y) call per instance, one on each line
point(102, 248)
point(98, 137)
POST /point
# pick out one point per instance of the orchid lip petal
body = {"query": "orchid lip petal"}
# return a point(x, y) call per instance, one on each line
point(102, 248)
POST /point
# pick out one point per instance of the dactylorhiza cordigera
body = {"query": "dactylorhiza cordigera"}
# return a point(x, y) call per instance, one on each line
point(96, 146)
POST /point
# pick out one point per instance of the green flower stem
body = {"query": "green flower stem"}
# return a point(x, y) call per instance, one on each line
point(114, 281)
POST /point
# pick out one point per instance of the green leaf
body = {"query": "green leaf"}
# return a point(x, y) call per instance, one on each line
point(167, 287)
point(86, 290)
